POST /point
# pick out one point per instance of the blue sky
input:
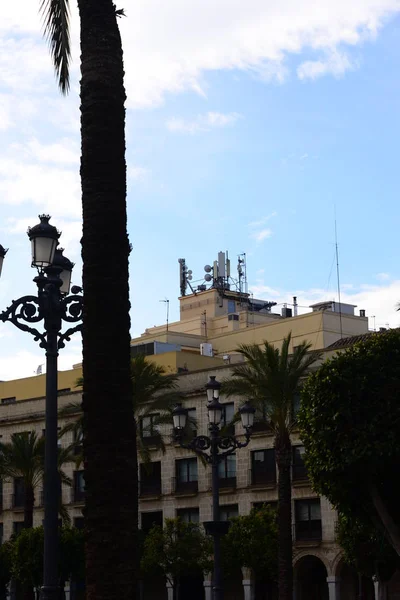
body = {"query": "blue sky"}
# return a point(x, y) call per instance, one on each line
point(248, 126)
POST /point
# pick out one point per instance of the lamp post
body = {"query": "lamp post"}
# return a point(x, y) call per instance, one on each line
point(214, 449)
point(52, 305)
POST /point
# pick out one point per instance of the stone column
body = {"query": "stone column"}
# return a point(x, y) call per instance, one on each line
point(248, 584)
point(170, 590)
point(207, 583)
point(333, 587)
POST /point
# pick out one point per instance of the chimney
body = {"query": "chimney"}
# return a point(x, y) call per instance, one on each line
point(295, 305)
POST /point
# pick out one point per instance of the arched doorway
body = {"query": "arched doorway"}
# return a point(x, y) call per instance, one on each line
point(310, 579)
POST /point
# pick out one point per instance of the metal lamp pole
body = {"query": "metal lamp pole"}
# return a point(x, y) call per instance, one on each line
point(52, 305)
point(214, 449)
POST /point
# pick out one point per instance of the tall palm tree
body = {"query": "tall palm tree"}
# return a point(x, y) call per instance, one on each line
point(109, 441)
point(271, 377)
point(23, 458)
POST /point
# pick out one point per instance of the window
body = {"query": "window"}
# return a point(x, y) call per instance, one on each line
point(227, 471)
point(296, 404)
point(10, 400)
point(233, 317)
point(79, 486)
point(260, 421)
point(19, 492)
point(308, 520)
point(263, 468)
point(299, 469)
point(149, 429)
point(18, 527)
point(231, 306)
point(186, 475)
point(192, 423)
point(188, 515)
point(228, 412)
point(150, 519)
point(79, 522)
point(150, 479)
point(228, 512)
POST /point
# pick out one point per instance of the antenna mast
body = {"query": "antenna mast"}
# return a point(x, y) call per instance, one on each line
point(166, 301)
point(338, 278)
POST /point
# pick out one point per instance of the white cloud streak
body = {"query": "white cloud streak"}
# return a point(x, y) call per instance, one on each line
point(210, 120)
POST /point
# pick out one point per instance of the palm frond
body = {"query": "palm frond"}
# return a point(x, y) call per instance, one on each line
point(270, 377)
point(56, 16)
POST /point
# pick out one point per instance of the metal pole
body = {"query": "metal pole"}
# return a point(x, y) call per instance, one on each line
point(217, 576)
point(360, 586)
point(50, 589)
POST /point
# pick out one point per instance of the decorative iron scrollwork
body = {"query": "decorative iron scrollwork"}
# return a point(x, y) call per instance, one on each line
point(33, 309)
point(72, 308)
point(25, 310)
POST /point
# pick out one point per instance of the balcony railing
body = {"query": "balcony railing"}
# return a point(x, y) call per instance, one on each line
point(261, 427)
point(184, 487)
point(151, 440)
point(299, 473)
point(227, 482)
point(77, 495)
point(262, 477)
point(149, 488)
point(307, 531)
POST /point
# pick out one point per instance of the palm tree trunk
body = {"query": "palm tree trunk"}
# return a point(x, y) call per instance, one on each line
point(109, 427)
point(283, 451)
point(29, 502)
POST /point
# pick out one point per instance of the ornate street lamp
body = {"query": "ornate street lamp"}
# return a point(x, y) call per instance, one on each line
point(214, 449)
point(52, 305)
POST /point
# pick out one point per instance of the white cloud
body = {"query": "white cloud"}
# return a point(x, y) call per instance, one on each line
point(51, 188)
point(262, 235)
point(383, 276)
point(24, 363)
point(263, 220)
point(189, 40)
point(336, 63)
point(202, 122)
point(65, 151)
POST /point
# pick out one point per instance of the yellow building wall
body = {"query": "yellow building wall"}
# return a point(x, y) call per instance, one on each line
point(35, 387)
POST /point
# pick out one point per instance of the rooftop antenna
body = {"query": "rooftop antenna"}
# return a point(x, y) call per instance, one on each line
point(167, 305)
point(338, 279)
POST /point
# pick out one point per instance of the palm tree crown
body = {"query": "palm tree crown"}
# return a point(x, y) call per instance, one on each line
point(270, 377)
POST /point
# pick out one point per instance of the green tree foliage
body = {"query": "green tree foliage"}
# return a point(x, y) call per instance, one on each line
point(252, 542)
point(366, 548)
point(26, 556)
point(350, 426)
point(270, 377)
point(176, 550)
point(27, 564)
point(6, 557)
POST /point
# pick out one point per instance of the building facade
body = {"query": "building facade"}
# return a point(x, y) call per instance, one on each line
point(177, 483)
